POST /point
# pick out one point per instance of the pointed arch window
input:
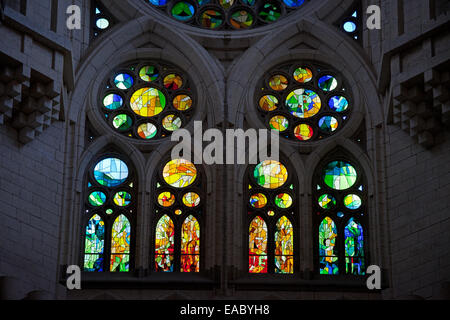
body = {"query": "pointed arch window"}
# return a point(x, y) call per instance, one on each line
point(179, 216)
point(108, 215)
point(271, 214)
point(340, 218)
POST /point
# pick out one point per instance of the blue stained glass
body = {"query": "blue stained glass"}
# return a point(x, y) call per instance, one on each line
point(349, 26)
point(158, 2)
point(293, 3)
point(338, 103)
point(354, 248)
point(111, 172)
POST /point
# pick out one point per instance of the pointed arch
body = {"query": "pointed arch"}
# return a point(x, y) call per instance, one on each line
point(94, 244)
point(354, 248)
point(110, 201)
point(284, 246)
point(190, 245)
point(164, 244)
point(258, 239)
point(340, 195)
point(179, 205)
point(120, 245)
point(327, 247)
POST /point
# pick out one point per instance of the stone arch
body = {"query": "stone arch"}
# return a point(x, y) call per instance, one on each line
point(288, 44)
point(144, 38)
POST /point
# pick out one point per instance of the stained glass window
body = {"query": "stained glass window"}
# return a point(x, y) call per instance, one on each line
point(351, 22)
point(271, 207)
point(227, 14)
point(147, 100)
point(179, 204)
point(340, 216)
point(108, 215)
point(304, 101)
point(101, 19)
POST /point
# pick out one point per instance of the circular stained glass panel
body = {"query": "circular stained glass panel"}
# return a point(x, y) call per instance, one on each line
point(148, 102)
point(303, 103)
point(241, 19)
point(122, 199)
point(258, 200)
point(278, 82)
point(147, 131)
point(149, 73)
point(123, 81)
point(326, 201)
point(102, 23)
point(182, 102)
point(171, 122)
point(173, 81)
point(111, 172)
point(339, 175)
point(279, 123)
point(283, 201)
point(270, 174)
point(226, 4)
point(293, 3)
point(122, 122)
point(97, 198)
point(166, 199)
point(211, 19)
point(352, 201)
point(191, 199)
point(270, 11)
point(183, 11)
point(328, 124)
point(303, 132)
point(112, 101)
point(179, 173)
point(268, 103)
point(303, 75)
point(338, 103)
point(328, 83)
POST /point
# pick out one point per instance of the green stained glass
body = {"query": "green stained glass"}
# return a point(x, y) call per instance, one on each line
point(97, 198)
point(270, 174)
point(327, 201)
point(94, 244)
point(122, 199)
point(354, 248)
point(226, 4)
point(241, 19)
point(327, 251)
point(183, 11)
point(111, 172)
point(339, 175)
point(283, 201)
point(122, 122)
point(149, 73)
point(270, 12)
point(303, 103)
point(120, 245)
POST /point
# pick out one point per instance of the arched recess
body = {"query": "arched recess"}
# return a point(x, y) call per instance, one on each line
point(357, 199)
point(305, 40)
point(109, 215)
point(71, 231)
point(270, 218)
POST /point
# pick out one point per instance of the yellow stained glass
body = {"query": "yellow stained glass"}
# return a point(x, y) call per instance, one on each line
point(148, 102)
point(278, 82)
point(182, 102)
point(166, 199)
point(270, 174)
point(179, 173)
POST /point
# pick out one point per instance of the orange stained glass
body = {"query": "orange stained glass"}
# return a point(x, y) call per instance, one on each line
point(268, 103)
point(120, 244)
point(179, 173)
point(166, 199)
point(258, 246)
point(173, 81)
point(148, 102)
point(284, 246)
point(182, 102)
point(190, 245)
point(278, 82)
point(164, 244)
